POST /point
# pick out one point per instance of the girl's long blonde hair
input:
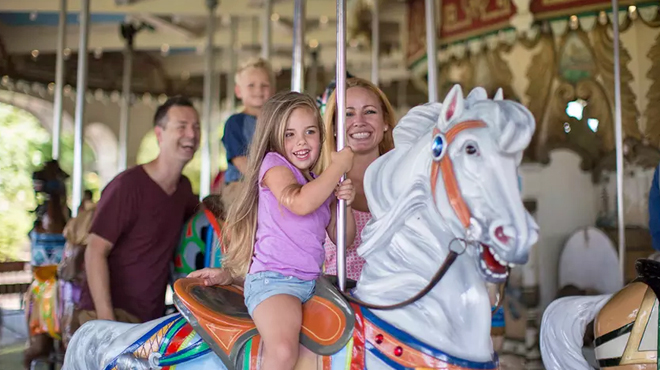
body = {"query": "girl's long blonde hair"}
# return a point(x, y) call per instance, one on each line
point(330, 118)
point(241, 224)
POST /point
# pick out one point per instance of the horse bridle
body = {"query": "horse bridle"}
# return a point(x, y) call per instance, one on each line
point(442, 163)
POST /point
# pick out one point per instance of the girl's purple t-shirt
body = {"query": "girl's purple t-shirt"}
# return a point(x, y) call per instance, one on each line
point(285, 242)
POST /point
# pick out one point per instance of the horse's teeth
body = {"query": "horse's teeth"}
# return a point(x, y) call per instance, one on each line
point(483, 264)
point(497, 258)
point(512, 265)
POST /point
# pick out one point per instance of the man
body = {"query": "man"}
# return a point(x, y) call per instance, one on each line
point(138, 222)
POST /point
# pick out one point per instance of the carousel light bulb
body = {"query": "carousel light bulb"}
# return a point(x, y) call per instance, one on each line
point(5, 80)
point(632, 12)
point(33, 16)
point(323, 19)
point(98, 53)
point(574, 22)
point(162, 98)
point(114, 96)
point(275, 17)
point(313, 43)
point(51, 86)
point(66, 52)
point(35, 53)
point(165, 49)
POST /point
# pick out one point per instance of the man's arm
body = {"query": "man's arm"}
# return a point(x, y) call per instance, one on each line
point(98, 275)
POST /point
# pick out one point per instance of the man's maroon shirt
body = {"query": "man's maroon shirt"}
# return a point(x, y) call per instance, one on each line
point(144, 225)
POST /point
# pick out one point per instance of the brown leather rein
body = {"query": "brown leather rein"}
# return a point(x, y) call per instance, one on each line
point(444, 165)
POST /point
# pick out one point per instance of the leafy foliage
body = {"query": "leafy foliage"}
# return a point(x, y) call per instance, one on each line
point(24, 146)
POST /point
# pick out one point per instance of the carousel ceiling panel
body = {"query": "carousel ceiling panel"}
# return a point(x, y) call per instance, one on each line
point(464, 19)
point(53, 18)
point(544, 9)
point(314, 9)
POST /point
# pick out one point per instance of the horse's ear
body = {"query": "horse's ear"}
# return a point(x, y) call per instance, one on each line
point(478, 93)
point(452, 107)
point(499, 95)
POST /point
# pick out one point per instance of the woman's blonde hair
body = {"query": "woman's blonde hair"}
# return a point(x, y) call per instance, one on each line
point(330, 118)
point(268, 137)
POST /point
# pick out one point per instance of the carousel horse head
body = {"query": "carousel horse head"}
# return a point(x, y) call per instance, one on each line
point(462, 156)
point(50, 179)
point(476, 149)
point(449, 185)
point(53, 213)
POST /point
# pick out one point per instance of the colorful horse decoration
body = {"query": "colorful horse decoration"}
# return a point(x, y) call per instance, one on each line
point(625, 326)
point(199, 246)
point(42, 300)
point(450, 187)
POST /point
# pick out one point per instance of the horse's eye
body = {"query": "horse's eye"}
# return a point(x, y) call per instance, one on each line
point(471, 149)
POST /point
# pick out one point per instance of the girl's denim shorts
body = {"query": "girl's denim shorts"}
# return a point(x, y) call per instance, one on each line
point(262, 285)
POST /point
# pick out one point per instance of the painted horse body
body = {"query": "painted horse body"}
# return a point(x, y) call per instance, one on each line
point(625, 326)
point(450, 184)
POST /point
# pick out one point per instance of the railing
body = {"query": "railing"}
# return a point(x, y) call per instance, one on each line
point(15, 277)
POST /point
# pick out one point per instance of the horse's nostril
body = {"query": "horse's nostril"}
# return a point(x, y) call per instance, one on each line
point(500, 235)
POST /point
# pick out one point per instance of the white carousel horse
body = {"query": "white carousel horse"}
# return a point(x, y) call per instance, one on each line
point(451, 178)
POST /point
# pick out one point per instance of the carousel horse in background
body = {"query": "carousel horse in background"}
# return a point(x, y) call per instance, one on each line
point(199, 246)
point(447, 218)
point(41, 300)
point(625, 326)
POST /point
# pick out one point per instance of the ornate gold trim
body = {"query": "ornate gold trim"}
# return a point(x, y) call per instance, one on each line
point(652, 112)
point(540, 75)
point(604, 55)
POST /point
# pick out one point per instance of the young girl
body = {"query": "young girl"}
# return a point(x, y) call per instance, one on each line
point(279, 222)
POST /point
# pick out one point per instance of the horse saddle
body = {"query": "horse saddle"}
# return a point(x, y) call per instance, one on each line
point(219, 315)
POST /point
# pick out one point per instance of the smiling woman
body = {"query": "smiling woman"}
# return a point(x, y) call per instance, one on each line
point(370, 121)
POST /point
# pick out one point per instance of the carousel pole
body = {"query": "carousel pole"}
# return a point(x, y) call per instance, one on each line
point(233, 45)
point(205, 180)
point(431, 51)
point(375, 43)
point(297, 71)
point(81, 90)
point(619, 136)
point(266, 27)
point(128, 32)
point(59, 81)
point(341, 136)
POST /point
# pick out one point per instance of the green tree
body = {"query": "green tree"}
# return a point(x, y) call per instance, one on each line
point(24, 146)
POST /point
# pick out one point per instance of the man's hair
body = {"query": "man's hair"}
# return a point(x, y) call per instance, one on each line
point(176, 101)
point(258, 63)
point(88, 194)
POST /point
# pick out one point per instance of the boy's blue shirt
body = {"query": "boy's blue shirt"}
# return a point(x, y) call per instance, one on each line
point(239, 130)
point(654, 211)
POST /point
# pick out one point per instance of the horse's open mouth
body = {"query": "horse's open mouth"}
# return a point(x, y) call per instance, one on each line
point(493, 270)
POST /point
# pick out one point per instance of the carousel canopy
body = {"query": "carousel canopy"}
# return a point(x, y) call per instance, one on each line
point(170, 43)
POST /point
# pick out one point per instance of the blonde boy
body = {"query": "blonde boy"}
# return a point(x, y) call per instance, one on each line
point(254, 85)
